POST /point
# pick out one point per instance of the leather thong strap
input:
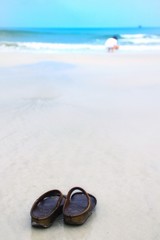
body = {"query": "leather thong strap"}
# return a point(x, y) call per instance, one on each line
point(81, 190)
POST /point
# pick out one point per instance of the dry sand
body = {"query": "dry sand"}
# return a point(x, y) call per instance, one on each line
point(89, 120)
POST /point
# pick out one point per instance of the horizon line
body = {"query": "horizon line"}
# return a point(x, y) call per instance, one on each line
point(25, 27)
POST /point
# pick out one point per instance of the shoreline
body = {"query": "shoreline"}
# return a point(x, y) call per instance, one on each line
point(8, 58)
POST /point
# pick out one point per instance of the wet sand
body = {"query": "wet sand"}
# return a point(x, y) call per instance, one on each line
point(89, 120)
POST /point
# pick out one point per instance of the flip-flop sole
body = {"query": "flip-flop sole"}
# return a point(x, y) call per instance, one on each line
point(78, 204)
point(45, 207)
point(75, 212)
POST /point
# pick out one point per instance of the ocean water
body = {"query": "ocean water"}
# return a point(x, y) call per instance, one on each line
point(50, 40)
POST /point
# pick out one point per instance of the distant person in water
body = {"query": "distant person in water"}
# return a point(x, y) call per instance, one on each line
point(112, 44)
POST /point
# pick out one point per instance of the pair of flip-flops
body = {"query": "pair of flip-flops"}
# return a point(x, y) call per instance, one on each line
point(76, 207)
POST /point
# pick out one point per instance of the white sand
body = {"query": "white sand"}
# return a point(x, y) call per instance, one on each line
point(81, 120)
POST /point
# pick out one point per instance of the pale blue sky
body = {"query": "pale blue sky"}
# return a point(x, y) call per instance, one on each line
point(79, 13)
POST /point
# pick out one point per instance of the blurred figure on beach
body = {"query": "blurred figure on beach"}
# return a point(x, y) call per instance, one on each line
point(111, 44)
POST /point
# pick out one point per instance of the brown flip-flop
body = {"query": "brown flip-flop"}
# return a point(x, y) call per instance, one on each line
point(78, 206)
point(47, 208)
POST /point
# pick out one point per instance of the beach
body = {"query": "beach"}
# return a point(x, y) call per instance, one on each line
point(81, 119)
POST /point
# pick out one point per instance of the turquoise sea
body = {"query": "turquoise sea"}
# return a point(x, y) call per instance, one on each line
point(51, 40)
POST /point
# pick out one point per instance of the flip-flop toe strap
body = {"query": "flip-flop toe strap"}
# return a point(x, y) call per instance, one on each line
point(71, 192)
